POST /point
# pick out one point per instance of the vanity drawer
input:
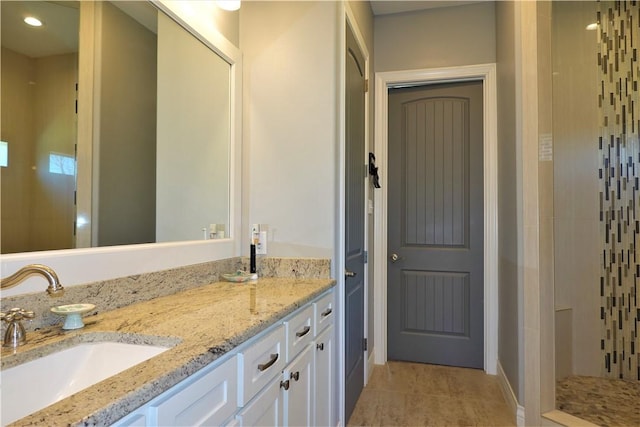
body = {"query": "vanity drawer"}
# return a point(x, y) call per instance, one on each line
point(324, 312)
point(300, 331)
point(260, 363)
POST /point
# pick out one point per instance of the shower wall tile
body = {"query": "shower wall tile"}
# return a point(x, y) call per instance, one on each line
point(576, 185)
point(619, 174)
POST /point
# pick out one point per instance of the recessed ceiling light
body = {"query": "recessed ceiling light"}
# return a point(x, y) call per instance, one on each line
point(228, 4)
point(33, 21)
point(593, 26)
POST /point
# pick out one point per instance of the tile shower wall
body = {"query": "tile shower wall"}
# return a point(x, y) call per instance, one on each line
point(619, 174)
point(575, 184)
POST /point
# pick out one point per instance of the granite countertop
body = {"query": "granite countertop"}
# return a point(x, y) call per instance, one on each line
point(202, 324)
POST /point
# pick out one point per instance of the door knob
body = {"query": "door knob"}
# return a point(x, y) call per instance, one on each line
point(348, 273)
point(394, 257)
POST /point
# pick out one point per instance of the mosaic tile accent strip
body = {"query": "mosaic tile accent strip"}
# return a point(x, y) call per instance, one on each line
point(619, 174)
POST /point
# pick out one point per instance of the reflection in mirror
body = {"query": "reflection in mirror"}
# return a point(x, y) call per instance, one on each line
point(39, 76)
point(159, 132)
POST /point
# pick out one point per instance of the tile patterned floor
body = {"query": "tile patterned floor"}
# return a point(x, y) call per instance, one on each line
point(414, 394)
point(602, 401)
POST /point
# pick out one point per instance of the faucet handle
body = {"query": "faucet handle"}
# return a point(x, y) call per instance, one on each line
point(17, 314)
point(15, 334)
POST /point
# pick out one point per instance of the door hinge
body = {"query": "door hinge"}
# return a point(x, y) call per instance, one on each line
point(364, 344)
point(366, 85)
point(365, 256)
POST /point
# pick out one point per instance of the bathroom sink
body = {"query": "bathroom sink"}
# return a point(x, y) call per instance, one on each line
point(36, 384)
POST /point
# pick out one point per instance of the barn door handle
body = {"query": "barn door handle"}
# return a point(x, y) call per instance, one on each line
point(348, 273)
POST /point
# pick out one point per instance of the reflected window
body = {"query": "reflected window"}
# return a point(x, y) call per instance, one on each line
point(4, 154)
point(62, 164)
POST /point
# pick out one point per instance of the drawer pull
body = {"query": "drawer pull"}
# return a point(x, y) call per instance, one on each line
point(263, 366)
point(326, 312)
point(284, 384)
point(295, 375)
point(304, 332)
point(320, 346)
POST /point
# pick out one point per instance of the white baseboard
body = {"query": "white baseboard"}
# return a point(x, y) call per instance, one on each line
point(516, 409)
point(370, 364)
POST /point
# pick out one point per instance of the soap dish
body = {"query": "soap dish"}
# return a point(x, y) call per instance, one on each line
point(73, 313)
point(240, 276)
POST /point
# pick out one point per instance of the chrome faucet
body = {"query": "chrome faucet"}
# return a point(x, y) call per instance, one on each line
point(54, 288)
point(16, 334)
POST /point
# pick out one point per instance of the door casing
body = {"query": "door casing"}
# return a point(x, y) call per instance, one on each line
point(385, 80)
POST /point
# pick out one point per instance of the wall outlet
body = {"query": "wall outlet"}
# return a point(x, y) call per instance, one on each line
point(261, 248)
point(259, 238)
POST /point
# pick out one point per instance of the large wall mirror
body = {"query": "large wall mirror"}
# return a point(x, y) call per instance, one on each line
point(117, 128)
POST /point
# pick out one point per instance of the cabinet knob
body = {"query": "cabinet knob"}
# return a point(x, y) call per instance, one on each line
point(320, 346)
point(284, 384)
point(295, 375)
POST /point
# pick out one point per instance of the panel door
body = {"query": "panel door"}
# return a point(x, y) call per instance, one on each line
point(435, 286)
point(354, 224)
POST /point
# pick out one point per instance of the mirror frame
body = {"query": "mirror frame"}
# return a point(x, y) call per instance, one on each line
point(83, 265)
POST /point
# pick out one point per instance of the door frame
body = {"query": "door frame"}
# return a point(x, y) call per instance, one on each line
point(392, 79)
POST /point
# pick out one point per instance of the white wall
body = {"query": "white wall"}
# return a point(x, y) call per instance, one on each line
point(510, 327)
point(290, 124)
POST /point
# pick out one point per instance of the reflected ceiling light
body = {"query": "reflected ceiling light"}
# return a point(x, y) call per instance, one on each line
point(33, 21)
point(228, 4)
point(593, 26)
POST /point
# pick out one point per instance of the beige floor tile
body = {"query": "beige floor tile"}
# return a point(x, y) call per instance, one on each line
point(414, 394)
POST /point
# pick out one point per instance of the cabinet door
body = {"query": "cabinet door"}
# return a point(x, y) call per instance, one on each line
point(207, 401)
point(299, 398)
point(134, 419)
point(324, 378)
point(266, 409)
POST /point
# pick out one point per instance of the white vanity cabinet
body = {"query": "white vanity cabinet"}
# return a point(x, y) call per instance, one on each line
point(262, 361)
point(282, 377)
point(207, 398)
point(299, 399)
point(325, 358)
point(324, 378)
point(265, 409)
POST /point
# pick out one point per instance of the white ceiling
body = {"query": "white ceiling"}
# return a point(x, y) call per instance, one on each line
point(59, 33)
point(387, 7)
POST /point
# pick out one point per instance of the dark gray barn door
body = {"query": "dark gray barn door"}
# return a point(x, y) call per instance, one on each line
point(354, 224)
point(435, 289)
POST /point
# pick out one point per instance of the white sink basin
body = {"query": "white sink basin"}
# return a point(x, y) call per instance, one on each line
point(39, 383)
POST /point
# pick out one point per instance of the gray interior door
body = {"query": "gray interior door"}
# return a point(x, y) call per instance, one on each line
point(354, 227)
point(435, 289)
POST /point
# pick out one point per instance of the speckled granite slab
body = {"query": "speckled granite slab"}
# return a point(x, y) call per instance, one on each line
point(203, 323)
point(605, 402)
point(115, 293)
